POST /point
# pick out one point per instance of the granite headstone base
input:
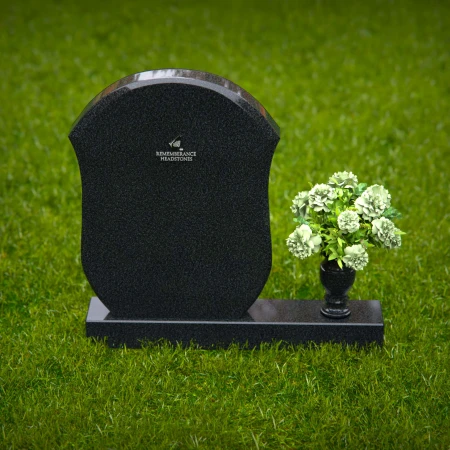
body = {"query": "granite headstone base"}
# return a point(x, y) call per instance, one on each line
point(292, 321)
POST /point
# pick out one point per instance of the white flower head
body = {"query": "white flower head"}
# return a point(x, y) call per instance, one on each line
point(373, 202)
point(343, 180)
point(301, 243)
point(300, 204)
point(355, 257)
point(348, 221)
point(320, 196)
point(384, 230)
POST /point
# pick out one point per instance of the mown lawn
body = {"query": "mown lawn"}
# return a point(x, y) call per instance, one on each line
point(361, 86)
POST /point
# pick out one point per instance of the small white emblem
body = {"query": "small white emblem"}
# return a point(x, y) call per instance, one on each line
point(176, 143)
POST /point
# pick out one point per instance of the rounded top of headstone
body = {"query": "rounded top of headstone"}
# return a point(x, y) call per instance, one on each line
point(190, 77)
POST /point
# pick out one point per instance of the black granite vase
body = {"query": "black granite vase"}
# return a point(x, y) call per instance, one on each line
point(337, 282)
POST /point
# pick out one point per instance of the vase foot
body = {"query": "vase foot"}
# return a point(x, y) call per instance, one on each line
point(335, 313)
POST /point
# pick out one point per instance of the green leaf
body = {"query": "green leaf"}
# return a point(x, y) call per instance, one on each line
point(333, 256)
point(339, 261)
point(301, 220)
point(340, 241)
point(392, 213)
point(360, 188)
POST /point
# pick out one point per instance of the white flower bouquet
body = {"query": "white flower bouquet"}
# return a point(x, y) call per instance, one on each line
point(342, 219)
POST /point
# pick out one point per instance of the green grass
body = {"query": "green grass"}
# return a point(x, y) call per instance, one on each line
point(361, 86)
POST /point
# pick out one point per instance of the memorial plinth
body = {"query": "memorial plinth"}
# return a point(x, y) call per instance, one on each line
point(292, 321)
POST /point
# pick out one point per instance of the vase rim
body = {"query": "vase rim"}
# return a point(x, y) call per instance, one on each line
point(334, 269)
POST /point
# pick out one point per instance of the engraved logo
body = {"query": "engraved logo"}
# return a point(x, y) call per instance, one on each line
point(177, 153)
point(176, 142)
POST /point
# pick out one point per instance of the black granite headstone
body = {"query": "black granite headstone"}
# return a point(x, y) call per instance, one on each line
point(174, 168)
point(175, 218)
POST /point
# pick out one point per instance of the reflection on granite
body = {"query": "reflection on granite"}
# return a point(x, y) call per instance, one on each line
point(304, 311)
point(275, 311)
point(170, 75)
